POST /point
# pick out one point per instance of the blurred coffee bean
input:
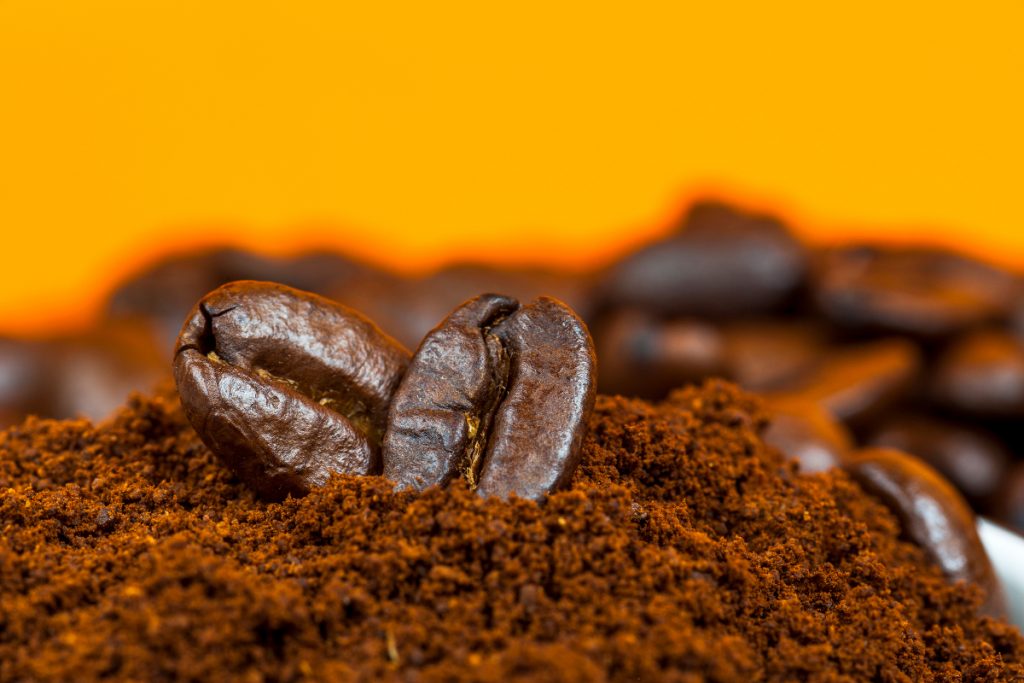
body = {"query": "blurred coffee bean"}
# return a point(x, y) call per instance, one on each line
point(1009, 506)
point(982, 374)
point(166, 291)
point(973, 460)
point(855, 383)
point(87, 374)
point(642, 356)
point(932, 515)
point(920, 291)
point(409, 307)
point(723, 262)
point(763, 355)
point(807, 433)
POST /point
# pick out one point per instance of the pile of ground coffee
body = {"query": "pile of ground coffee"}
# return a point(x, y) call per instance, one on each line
point(685, 550)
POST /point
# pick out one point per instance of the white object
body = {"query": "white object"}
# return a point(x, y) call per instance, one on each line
point(1006, 550)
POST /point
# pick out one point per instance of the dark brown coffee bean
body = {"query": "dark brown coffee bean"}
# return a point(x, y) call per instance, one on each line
point(497, 394)
point(537, 435)
point(441, 414)
point(286, 386)
point(854, 383)
point(1009, 506)
point(25, 381)
point(982, 374)
point(917, 291)
point(645, 357)
point(807, 433)
point(763, 355)
point(975, 461)
point(723, 262)
point(933, 516)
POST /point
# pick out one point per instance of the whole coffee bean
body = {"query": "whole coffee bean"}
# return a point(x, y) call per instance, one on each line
point(855, 383)
point(917, 291)
point(24, 380)
point(285, 386)
point(646, 357)
point(441, 414)
point(973, 460)
point(982, 374)
point(497, 394)
point(932, 515)
point(763, 355)
point(807, 433)
point(722, 263)
point(1009, 506)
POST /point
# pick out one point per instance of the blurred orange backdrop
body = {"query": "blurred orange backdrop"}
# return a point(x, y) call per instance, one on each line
point(416, 133)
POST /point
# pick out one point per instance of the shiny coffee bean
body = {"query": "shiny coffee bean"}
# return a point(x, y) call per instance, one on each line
point(973, 460)
point(285, 386)
point(932, 515)
point(805, 432)
point(25, 380)
point(917, 291)
point(723, 262)
point(763, 355)
point(497, 394)
point(982, 374)
point(1009, 506)
point(645, 357)
point(856, 382)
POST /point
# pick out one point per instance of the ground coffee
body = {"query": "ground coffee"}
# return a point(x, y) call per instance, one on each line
point(684, 550)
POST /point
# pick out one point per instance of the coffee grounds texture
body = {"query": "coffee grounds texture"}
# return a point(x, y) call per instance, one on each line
point(685, 550)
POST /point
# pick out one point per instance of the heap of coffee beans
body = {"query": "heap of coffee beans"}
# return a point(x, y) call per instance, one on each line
point(914, 348)
point(287, 387)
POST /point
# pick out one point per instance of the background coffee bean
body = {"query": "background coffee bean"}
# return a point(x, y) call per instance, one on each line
point(722, 262)
point(441, 414)
point(537, 433)
point(807, 433)
point(916, 291)
point(982, 374)
point(286, 386)
point(932, 514)
point(762, 355)
point(856, 382)
point(970, 458)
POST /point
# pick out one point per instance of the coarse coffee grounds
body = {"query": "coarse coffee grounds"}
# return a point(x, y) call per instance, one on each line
point(685, 550)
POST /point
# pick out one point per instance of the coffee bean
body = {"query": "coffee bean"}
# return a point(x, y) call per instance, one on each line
point(856, 382)
point(285, 386)
point(932, 515)
point(807, 433)
point(916, 291)
point(497, 394)
point(723, 262)
point(645, 357)
point(441, 414)
point(982, 374)
point(763, 355)
point(973, 460)
point(1009, 505)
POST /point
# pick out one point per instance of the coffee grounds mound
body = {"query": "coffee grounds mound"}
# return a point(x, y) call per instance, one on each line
point(686, 550)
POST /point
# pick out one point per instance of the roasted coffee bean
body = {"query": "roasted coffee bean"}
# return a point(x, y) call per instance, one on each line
point(975, 461)
point(24, 381)
point(854, 383)
point(763, 355)
point(807, 433)
point(645, 357)
point(723, 262)
point(932, 515)
point(497, 394)
point(441, 414)
point(285, 386)
point(1009, 506)
point(982, 374)
point(916, 291)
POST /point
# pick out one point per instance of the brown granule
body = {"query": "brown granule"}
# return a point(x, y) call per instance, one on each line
point(685, 551)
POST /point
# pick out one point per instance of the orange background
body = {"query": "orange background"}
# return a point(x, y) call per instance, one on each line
point(414, 133)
